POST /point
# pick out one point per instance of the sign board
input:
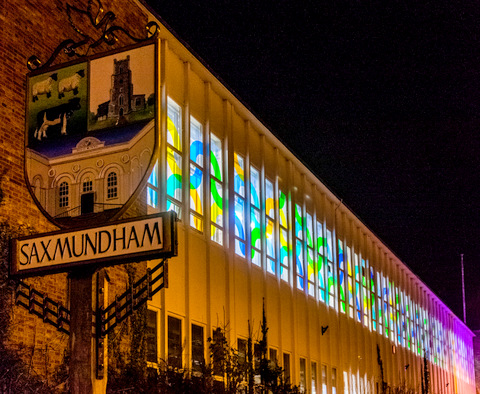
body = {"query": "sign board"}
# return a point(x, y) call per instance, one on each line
point(91, 135)
point(147, 238)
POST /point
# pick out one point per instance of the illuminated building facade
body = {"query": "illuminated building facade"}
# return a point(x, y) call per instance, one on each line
point(258, 228)
point(257, 225)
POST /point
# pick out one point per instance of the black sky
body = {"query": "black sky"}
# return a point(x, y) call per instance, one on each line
point(386, 99)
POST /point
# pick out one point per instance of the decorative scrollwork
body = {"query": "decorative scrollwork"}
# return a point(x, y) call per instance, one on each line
point(100, 21)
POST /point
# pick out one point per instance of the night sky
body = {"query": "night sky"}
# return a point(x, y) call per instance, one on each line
point(381, 100)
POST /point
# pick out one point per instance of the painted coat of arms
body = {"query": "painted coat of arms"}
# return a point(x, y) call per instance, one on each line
point(90, 134)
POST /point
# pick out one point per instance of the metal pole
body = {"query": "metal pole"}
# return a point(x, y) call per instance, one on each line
point(463, 292)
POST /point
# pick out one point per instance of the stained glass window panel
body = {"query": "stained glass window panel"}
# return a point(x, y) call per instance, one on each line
point(239, 248)
point(373, 295)
point(240, 218)
point(171, 206)
point(350, 292)
point(310, 266)
point(216, 234)
point(269, 201)
point(309, 230)
point(239, 175)
point(298, 222)
point(152, 197)
point(254, 187)
point(256, 258)
point(329, 245)
point(255, 229)
point(331, 284)
point(365, 307)
point(311, 271)
point(153, 178)
point(351, 296)
point(152, 185)
point(217, 202)
point(320, 239)
point(357, 268)
point(299, 264)
point(349, 261)
point(341, 264)
point(284, 246)
point(196, 142)
point(358, 301)
point(341, 276)
point(284, 273)
point(174, 126)
point(374, 321)
point(321, 272)
point(270, 238)
point(364, 273)
point(341, 281)
point(216, 189)
point(282, 208)
point(271, 266)
point(216, 158)
point(174, 174)
point(196, 174)
point(196, 189)
point(196, 222)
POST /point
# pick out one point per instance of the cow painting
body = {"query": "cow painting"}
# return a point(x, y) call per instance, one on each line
point(54, 116)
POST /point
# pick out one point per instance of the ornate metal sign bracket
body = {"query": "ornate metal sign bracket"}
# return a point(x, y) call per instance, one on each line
point(101, 21)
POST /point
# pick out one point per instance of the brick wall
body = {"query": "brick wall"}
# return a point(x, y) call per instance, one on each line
point(37, 27)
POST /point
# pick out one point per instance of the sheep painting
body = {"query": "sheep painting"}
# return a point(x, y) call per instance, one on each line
point(70, 83)
point(55, 116)
point(44, 87)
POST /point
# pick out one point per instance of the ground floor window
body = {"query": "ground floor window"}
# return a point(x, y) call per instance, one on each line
point(217, 351)
point(302, 375)
point(324, 379)
point(174, 342)
point(273, 358)
point(314, 377)
point(151, 336)
point(198, 348)
point(334, 381)
point(286, 366)
point(242, 350)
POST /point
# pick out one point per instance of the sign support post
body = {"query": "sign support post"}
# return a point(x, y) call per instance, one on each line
point(87, 344)
point(81, 339)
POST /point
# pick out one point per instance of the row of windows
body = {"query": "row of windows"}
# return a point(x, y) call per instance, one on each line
point(87, 187)
point(175, 354)
point(375, 301)
point(334, 273)
point(175, 174)
point(329, 381)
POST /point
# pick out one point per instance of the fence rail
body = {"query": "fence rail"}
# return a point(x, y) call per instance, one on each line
point(142, 290)
point(55, 314)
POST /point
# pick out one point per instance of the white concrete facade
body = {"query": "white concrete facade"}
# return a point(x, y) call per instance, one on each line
point(332, 271)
